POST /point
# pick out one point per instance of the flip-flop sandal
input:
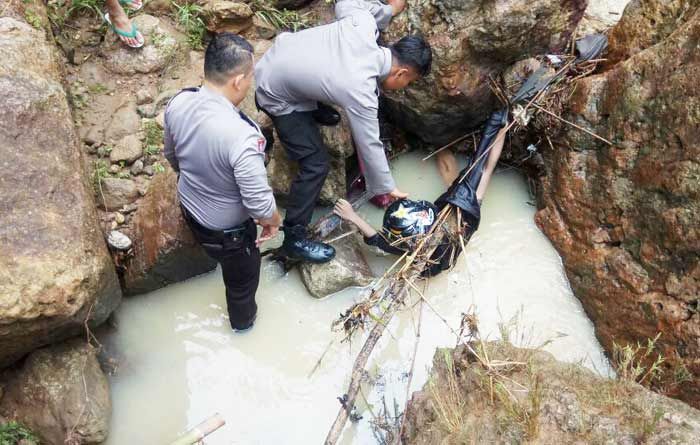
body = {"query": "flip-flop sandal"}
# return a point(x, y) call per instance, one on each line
point(133, 34)
point(133, 5)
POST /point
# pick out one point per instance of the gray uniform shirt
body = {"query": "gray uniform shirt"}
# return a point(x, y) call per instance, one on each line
point(220, 157)
point(338, 63)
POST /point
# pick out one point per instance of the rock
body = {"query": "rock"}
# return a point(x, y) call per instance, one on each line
point(542, 402)
point(119, 218)
point(144, 96)
point(114, 169)
point(470, 41)
point(164, 250)
point(93, 136)
point(227, 16)
point(281, 172)
point(148, 169)
point(626, 219)
point(117, 192)
point(160, 120)
point(55, 270)
point(349, 268)
point(61, 394)
point(118, 241)
point(128, 149)
point(137, 168)
point(124, 122)
point(646, 23)
point(160, 48)
point(600, 16)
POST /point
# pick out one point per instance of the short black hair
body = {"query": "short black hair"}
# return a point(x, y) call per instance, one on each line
point(414, 52)
point(227, 54)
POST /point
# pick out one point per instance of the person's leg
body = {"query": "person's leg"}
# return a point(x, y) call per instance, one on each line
point(298, 133)
point(447, 166)
point(121, 22)
point(241, 273)
point(491, 162)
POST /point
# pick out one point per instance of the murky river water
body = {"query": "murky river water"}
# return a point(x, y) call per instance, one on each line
point(179, 363)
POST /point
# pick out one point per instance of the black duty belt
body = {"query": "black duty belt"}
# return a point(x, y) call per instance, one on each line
point(218, 234)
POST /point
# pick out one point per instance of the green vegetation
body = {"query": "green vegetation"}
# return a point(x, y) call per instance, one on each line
point(631, 362)
point(100, 172)
point(153, 138)
point(13, 432)
point(284, 19)
point(33, 18)
point(448, 396)
point(158, 168)
point(188, 17)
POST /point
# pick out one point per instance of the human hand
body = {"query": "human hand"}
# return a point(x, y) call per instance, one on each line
point(398, 194)
point(397, 6)
point(270, 228)
point(344, 209)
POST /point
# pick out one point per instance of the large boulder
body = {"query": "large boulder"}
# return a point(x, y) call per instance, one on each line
point(626, 218)
point(227, 16)
point(472, 40)
point(349, 268)
point(164, 250)
point(55, 271)
point(61, 394)
point(282, 170)
point(511, 395)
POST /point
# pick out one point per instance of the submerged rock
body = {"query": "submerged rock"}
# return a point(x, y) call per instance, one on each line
point(538, 400)
point(349, 268)
point(626, 218)
point(61, 394)
point(470, 41)
point(164, 250)
point(55, 271)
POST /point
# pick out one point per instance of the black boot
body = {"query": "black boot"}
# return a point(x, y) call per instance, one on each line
point(297, 245)
point(326, 115)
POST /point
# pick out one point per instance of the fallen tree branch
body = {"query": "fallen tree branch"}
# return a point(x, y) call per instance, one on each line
point(572, 124)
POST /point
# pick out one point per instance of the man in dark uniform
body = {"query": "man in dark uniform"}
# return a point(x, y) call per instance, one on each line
point(339, 63)
point(219, 153)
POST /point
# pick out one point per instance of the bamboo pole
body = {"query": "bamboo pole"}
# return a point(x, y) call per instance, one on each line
point(201, 431)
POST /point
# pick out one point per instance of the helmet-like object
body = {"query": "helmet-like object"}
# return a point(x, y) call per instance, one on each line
point(407, 219)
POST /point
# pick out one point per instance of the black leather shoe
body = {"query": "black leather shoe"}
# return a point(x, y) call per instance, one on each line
point(298, 246)
point(326, 115)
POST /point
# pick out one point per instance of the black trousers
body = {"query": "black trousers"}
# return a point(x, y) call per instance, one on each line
point(240, 266)
point(299, 134)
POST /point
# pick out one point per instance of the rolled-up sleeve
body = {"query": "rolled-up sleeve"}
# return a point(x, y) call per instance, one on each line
point(251, 178)
point(370, 149)
point(382, 13)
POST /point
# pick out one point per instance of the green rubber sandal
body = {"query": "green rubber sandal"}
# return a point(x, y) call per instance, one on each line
point(133, 34)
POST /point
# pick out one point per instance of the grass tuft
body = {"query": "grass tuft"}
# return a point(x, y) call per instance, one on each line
point(188, 17)
point(13, 432)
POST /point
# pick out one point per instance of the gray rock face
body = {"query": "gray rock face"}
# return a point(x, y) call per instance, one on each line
point(61, 394)
point(160, 48)
point(55, 271)
point(125, 121)
point(128, 149)
point(471, 40)
point(116, 192)
point(348, 268)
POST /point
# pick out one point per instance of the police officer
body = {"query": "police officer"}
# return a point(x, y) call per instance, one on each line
point(219, 154)
point(339, 63)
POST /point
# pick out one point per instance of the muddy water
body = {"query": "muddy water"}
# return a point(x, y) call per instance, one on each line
point(179, 363)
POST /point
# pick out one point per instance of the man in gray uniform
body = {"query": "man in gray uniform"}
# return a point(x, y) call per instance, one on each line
point(339, 63)
point(219, 154)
